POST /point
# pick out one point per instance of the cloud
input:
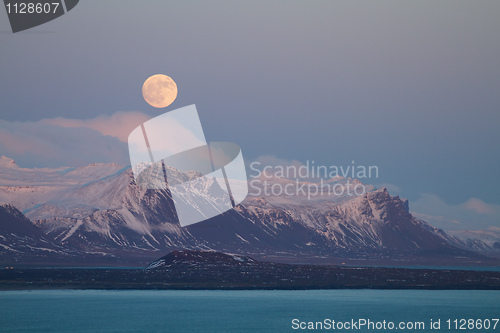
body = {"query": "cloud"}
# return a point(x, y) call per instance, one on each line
point(41, 144)
point(480, 207)
point(272, 160)
point(73, 142)
point(472, 214)
point(119, 125)
point(257, 165)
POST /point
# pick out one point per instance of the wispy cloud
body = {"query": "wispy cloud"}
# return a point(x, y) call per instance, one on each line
point(119, 125)
point(269, 163)
point(472, 214)
point(54, 143)
point(480, 207)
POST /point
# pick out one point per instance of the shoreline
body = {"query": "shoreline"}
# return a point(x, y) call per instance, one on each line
point(253, 277)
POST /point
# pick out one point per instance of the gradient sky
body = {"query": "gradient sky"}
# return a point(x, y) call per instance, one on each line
point(412, 87)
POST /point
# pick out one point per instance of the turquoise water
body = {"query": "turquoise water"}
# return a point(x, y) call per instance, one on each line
point(235, 311)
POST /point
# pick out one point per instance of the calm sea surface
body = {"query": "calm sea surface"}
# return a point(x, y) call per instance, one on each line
point(238, 311)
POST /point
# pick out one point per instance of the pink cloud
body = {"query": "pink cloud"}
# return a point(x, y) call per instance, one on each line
point(118, 125)
point(471, 214)
point(479, 206)
point(39, 144)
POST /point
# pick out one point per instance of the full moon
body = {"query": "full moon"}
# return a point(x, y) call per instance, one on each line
point(159, 91)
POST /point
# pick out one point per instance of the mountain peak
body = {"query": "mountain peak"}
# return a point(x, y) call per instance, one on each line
point(381, 193)
point(387, 206)
point(12, 210)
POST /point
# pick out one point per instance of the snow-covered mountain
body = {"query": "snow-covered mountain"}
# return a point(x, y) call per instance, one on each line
point(484, 241)
point(19, 238)
point(100, 209)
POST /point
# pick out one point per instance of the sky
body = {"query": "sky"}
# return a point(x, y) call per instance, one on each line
point(412, 87)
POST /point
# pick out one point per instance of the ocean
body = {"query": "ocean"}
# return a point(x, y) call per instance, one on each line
point(249, 311)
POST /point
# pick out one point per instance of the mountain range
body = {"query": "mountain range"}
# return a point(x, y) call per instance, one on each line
point(97, 214)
